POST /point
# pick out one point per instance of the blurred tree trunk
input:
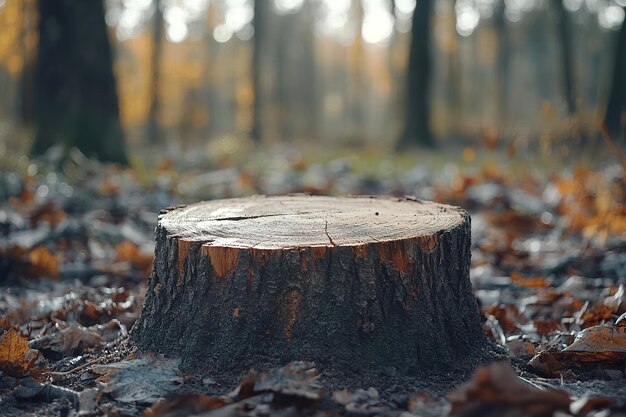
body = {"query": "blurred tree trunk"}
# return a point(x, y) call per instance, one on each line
point(394, 75)
point(282, 86)
point(615, 112)
point(454, 78)
point(153, 132)
point(567, 63)
point(417, 124)
point(258, 22)
point(25, 99)
point(76, 96)
point(355, 67)
point(308, 79)
point(502, 66)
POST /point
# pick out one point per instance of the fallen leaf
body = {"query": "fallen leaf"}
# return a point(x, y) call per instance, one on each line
point(183, 405)
point(16, 358)
point(496, 391)
point(129, 252)
point(47, 212)
point(75, 338)
point(425, 404)
point(596, 315)
point(601, 338)
point(142, 380)
point(545, 327)
point(297, 379)
point(508, 316)
point(13, 347)
point(519, 347)
point(530, 282)
point(598, 347)
point(43, 263)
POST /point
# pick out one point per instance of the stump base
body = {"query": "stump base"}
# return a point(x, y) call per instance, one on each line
point(371, 281)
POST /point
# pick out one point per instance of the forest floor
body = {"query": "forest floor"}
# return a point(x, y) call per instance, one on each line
point(548, 269)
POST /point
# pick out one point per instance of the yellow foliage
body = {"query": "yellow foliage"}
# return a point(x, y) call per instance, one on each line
point(592, 205)
point(132, 70)
point(19, 37)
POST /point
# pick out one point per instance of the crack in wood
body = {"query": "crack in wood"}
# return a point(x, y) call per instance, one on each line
point(237, 218)
point(327, 235)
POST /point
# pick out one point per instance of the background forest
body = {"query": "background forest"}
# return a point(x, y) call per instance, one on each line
point(196, 74)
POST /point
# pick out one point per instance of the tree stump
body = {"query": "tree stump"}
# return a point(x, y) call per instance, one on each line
point(376, 281)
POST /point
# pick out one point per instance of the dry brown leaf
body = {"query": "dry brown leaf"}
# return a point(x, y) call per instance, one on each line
point(557, 364)
point(596, 347)
point(129, 252)
point(545, 327)
point(13, 348)
point(551, 365)
point(126, 251)
point(182, 405)
point(496, 390)
point(48, 213)
point(75, 338)
point(600, 339)
point(16, 358)
point(531, 282)
point(507, 315)
point(297, 380)
point(518, 224)
point(43, 263)
point(596, 315)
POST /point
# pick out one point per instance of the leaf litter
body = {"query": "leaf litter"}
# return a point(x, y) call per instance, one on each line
point(76, 247)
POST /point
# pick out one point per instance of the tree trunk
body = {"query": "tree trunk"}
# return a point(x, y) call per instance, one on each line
point(364, 280)
point(615, 112)
point(502, 66)
point(417, 118)
point(567, 63)
point(153, 131)
point(355, 63)
point(259, 21)
point(76, 102)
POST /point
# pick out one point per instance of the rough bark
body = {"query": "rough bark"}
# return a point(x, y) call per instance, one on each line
point(370, 281)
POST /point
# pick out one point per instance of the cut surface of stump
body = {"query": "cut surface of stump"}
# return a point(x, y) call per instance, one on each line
point(369, 280)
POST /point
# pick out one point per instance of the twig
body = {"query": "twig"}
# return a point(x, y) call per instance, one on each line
point(78, 368)
point(531, 383)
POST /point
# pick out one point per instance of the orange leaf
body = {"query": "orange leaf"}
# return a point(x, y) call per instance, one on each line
point(129, 252)
point(43, 262)
point(544, 327)
point(13, 348)
point(532, 282)
point(126, 252)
